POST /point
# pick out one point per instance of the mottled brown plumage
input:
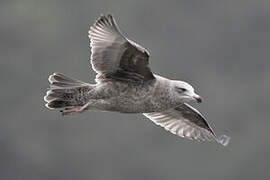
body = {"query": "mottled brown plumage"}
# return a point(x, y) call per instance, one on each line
point(126, 84)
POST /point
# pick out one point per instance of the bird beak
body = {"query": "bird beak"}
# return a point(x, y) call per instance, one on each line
point(197, 98)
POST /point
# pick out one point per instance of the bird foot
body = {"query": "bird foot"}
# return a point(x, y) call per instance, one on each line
point(73, 110)
point(70, 111)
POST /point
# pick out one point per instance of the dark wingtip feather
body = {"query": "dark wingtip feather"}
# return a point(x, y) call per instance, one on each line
point(223, 140)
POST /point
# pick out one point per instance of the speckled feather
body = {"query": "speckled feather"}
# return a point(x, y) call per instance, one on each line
point(126, 84)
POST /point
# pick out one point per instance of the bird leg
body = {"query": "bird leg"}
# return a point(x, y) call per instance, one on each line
point(74, 110)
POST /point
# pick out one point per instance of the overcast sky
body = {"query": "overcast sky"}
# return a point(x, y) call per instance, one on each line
point(222, 48)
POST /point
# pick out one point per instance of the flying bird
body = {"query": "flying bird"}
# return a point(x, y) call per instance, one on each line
point(126, 84)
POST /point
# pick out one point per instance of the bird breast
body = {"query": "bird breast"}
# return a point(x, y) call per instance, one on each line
point(142, 98)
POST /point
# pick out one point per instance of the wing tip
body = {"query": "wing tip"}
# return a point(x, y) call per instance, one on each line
point(106, 22)
point(223, 140)
point(107, 18)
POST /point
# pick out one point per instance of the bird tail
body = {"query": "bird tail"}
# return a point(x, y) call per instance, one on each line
point(66, 92)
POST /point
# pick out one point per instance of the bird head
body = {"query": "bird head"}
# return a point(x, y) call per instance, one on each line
point(185, 92)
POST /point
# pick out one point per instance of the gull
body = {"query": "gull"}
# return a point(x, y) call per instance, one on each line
point(126, 84)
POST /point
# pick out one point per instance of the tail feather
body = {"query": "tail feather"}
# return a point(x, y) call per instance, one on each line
point(66, 92)
point(61, 80)
point(58, 104)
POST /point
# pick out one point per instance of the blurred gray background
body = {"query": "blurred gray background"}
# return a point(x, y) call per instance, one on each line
point(221, 47)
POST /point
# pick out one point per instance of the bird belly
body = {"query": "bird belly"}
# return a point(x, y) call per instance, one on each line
point(128, 98)
point(139, 102)
point(127, 105)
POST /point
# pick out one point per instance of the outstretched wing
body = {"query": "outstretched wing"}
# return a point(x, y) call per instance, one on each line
point(186, 121)
point(114, 57)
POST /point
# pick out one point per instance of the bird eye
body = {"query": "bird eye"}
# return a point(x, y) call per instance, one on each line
point(181, 89)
